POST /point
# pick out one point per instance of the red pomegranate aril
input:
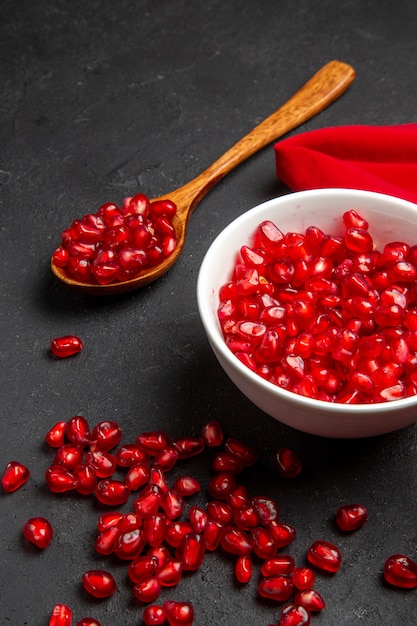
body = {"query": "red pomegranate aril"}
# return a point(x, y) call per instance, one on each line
point(310, 600)
point(85, 479)
point(154, 615)
point(401, 571)
point(278, 588)
point(61, 616)
point(104, 463)
point(131, 454)
point(293, 615)
point(157, 477)
point(137, 476)
point(191, 551)
point(351, 516)
point(14, 476)
point(247, 454)
point(288, 462)
point(148, 501)
point(246, 518)
point(55, 437)
point(166, 459)
point(188, 446)
point(281, 564)
point(60, 257)
point(226, 462)
point(221, 485)
point(212, 534)
point(176, 530)
point(129, 545)
point(212, 434)
point(69, 455)
point(153, 442)
point(65, 346)
point(263, 543)
point(147, 590)
point(187, 485)
point(112, 492)
point(243, 568)
point(99, 583)
point(219, 511)
point(154, 528)
point(282, 534)
point(235, 541)
point(59, 479)
point(179, 613)
point(106, 435)
point(325, 556)
point(172, 503)
point(238, 498)
point(38, 531)
point(266, 509)
point(303, 578)
point(106, 540)
point(109, 519)
point(198, 518)
point(88, 621)
point(78, 430)
point(170, 573)
point(142, 568)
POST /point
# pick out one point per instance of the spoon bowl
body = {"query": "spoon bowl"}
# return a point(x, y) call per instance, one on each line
point(328, 84)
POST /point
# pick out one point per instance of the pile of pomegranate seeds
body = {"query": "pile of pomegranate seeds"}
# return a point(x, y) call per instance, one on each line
point(163, 535)
point(328, 317)
point(116, 243)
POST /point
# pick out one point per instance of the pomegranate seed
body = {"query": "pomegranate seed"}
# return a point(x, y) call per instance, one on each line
point(179, 613)
point(238, 498)
point(78, 430)
point(61, 616)
point(401, 571)
point(129, 545)
point(69, 455)
point(266, 509)
point(263, 543)
point(303, 578)
point(65, 346)
point(55, 436)
point(310, 600)
point(351, 516)
point(106, 540)
point(170, 573)
point(188, 446)
point(154, 615)
point(106, 435)
point(129, 522)
point(293, 615)
point(103, 463)
point(142, 568)
point(176, 531)
point(157, 477)
point(325, 556)
point(154, 528)
point(235, 541)
point(166, 459)
point(14, 476)
point(153, 442)
point(38, 531)
point(221, 485)
point(212, 534)
point(243, 568)
point(187, 485)
point(282, 534)
point(242, 451)
point(191, 551)
point(212, 434)
point(109, 519)
point(226, 462)
point(279, 588)
point(173, 504)
point(88, 621)
point(85, 479)
point(283, 564)
point(148, 501)
point(59, 479)
point(131, 454)
point(99, 583)
point(198, 518)
point(289, 464)
point(246, 518)
point(112, 492)
point(137, 476)
point(147, 590)
point(219, 511)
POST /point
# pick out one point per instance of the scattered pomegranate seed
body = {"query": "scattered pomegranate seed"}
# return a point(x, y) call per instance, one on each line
point(282, 564)
point(38, 531)
point(351, 516)
point(147, 590)
point(279, 588)
point(310, 600)
point(179, 613)
point(61, 616)
point(325, 556)
point(65, 346)
point(243, 568)
point(106, 435)
point(154, 615)
point(303, 578)
point(293, 615)
point(112, 492)
point(115, 243)
point(187, 485)
point(59, 479)
point(78, 430)
point(88, 621)
point(99, 583)
point(289, 464)
point(401, 571)
point(212, 434)
point(14, 476)
point(306, 311)
point(55, 436)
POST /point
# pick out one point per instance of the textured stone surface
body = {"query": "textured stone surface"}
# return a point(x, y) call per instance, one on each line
point(101, 99)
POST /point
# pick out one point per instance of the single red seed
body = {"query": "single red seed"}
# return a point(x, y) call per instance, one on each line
point(106, 540)
point(401, 571)
point(293, 615)
point(99, 583)
point(247, 454)
point(279, 588)
point(104, 463)
point(69, 455)
point(157, 477)
point(131, 454)
point(281, 564)
point(212, 534)
point(282, 534)
point(187, 485)
point(243, 568)
point(198, 518)
point(78, 430)
point(238, 498)
point(263, 543)
point(154, 528)
point(325, 556)
point(212, 434)
point(88, 621)
point(61, 616)
point(246, 517)
point(166, 459)
point(65, 346)
point(153, 442)
point(221, 485)
point(112, 492)
point(38, 531)
point(106, 435)
point(55, 436)
point(303, 578)
point(170, 573)
point(14, 476)
point(154, 615)
point(235, 541)
point(129, 545)
point(266, 509)
point(179, 613)
point(226, 462)
point(288, 462)
point(142, 568)
point(173, 504)
point(351, 516)
point(109, 519)
point(137, 476)
point(219, 511)
point(59, 479)
point(147, 590)
point(191, 551)
point(148, 501)
point(188, 446)
point(85, 479)
point(310, 600)
point(175, 532)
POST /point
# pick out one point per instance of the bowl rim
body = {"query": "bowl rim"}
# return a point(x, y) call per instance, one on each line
point(212, 327)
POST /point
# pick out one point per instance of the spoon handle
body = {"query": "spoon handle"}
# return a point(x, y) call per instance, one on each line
point(328, 84)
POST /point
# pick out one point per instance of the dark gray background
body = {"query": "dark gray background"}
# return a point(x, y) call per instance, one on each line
point(100, 100)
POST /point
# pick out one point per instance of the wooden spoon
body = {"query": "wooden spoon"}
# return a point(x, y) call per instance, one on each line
point(330, 82)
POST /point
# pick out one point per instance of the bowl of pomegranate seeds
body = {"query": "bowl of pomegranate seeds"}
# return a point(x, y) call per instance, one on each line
point(309, 302)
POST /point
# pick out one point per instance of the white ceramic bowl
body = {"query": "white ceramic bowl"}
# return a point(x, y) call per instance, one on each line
point(391, 219)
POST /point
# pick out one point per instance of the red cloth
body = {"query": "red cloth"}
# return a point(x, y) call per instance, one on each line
point(373, 158)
